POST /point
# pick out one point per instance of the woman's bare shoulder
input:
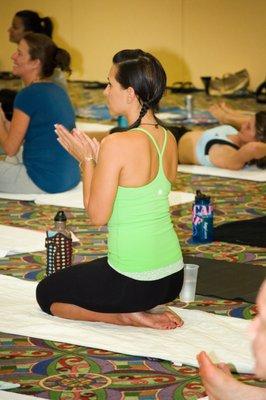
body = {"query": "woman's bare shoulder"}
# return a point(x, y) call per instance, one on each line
point(117, 139)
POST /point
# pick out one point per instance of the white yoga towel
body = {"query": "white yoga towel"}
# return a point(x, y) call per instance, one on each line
point(176, 197)
point(223, 338)
point(5, 385)
point(18, 196)
point(76, 193)
point(71, 198)
point(93, 127)
point(15, 240)
point(249, 173)
point(16, 396)
point(74, 198)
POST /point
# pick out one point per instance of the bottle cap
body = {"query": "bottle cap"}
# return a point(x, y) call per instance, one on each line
point(202, 197)
point(60, 216)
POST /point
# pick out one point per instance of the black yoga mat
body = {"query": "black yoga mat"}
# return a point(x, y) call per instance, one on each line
point(251, 232)
point(226, 280)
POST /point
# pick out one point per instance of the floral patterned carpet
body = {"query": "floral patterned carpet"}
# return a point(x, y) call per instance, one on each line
point(62, 371)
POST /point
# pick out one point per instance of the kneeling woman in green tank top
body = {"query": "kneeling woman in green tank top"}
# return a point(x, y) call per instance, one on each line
point(126, 182)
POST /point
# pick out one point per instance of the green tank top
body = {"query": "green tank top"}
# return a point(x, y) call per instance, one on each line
point(142, 242)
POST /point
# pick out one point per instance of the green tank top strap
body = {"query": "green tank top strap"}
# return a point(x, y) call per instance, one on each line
point(160, 152)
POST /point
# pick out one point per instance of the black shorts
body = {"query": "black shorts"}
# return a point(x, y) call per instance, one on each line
point(96, 286)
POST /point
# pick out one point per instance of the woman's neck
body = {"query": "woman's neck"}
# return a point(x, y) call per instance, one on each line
point(31, 80)
point(147, 119)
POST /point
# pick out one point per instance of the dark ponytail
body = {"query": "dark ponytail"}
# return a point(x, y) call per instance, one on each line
point(63, 59)
point(47, 26)
point(34, 23)
point(41, 47)
point(260, 135)
point(261, 163)
point(260, 126)
point(143, 111)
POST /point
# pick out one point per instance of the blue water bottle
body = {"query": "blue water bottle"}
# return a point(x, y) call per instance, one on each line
point(202, 219)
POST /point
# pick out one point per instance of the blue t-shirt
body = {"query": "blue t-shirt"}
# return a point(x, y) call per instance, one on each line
point(47, 163)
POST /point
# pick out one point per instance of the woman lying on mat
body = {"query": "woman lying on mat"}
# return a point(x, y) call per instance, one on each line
point(46, 166)
point(26, 21)
point(224, 146)
point(126, 183)
point(217, 379)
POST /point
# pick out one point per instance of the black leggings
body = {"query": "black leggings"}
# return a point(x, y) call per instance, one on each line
point(96, 286)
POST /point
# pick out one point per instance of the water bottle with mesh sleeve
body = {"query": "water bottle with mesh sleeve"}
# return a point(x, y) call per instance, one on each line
point(58, 243)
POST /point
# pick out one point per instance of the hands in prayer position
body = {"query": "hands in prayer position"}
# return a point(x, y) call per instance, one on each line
point(78, 144)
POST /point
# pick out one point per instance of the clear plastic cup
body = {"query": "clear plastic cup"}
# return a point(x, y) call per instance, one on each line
point(188, 291)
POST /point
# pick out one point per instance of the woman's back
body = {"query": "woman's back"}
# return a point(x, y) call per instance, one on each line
point(140, 225)
point(187, 146)
point(140, 156)
point(126, 182)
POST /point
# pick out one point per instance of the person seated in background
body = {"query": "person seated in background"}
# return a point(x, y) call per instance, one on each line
point(46, 166)
point(26, 21)
point(224, 146)
point(217, 379)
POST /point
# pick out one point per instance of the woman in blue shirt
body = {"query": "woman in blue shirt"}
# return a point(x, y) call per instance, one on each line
point(45, 165)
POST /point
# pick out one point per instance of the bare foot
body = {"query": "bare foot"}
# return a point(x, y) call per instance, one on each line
point(154, 319)
point(233, 111)
point(228, 115)
point(165, 320)
point(219, 113)
point(220, 384)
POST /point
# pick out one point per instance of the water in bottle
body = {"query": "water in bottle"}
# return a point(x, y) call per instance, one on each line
point(189, 105)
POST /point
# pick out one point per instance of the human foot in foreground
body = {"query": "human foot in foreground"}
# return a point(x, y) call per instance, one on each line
point(164, 320)
point(220, 384)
